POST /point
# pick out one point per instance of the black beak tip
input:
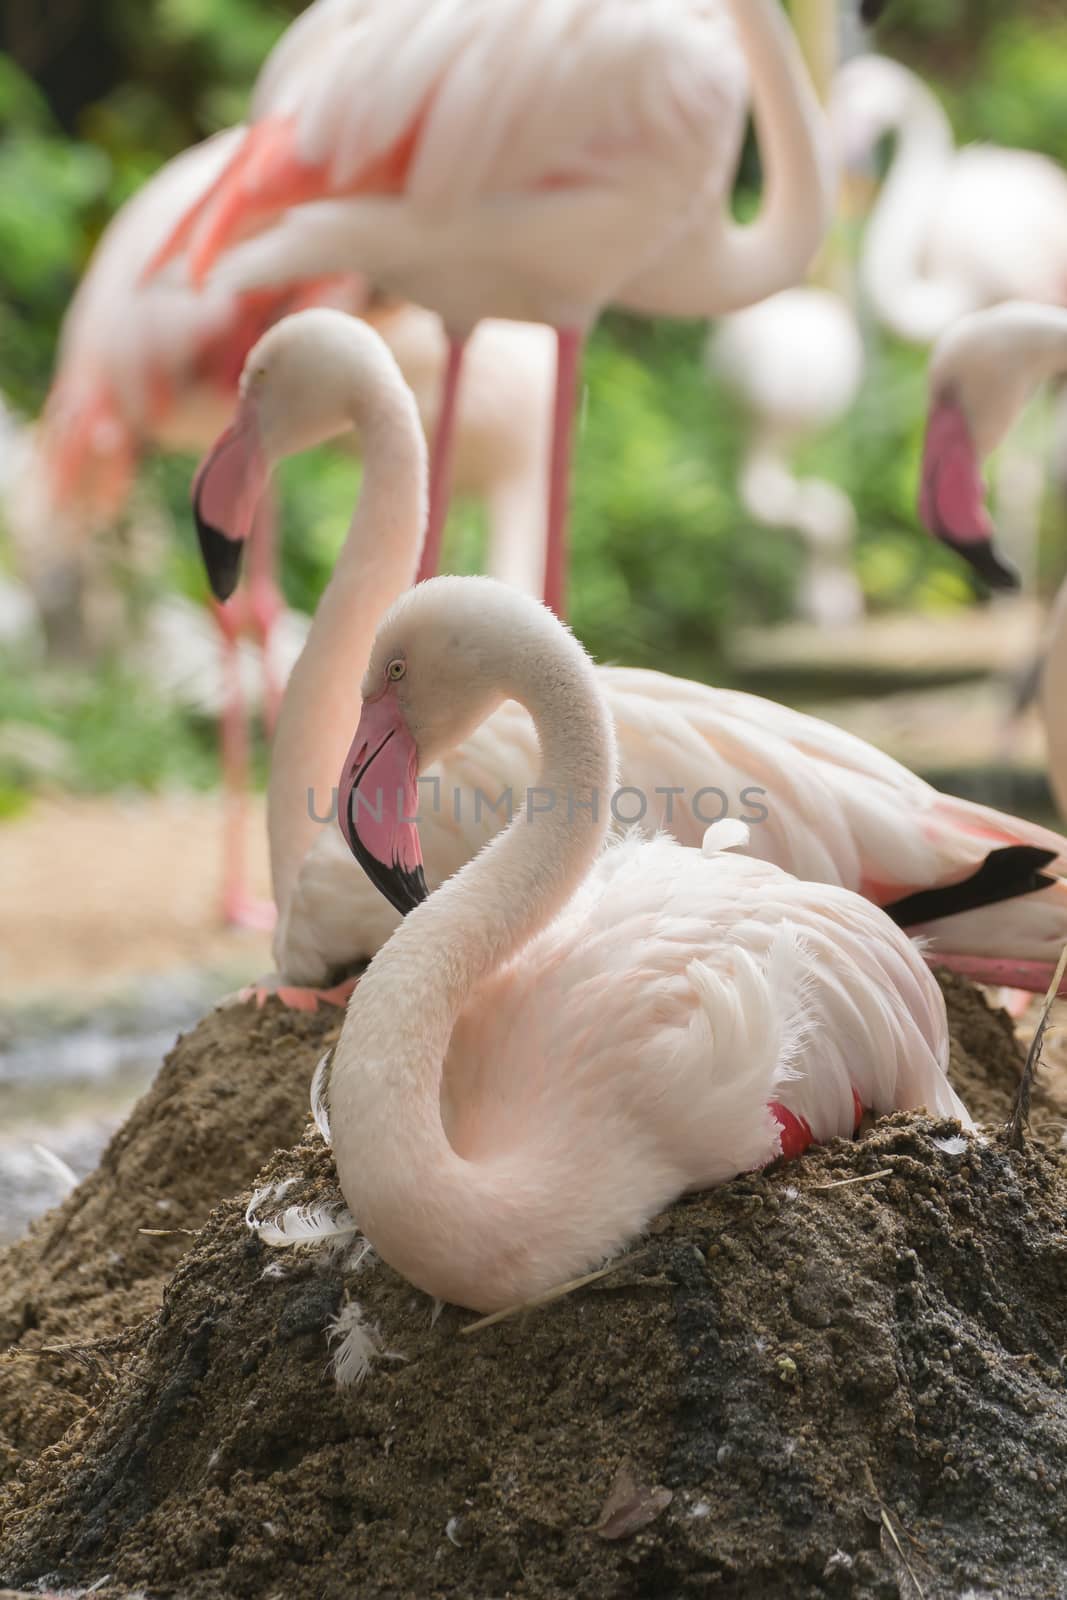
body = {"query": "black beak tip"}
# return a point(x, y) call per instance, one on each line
point(222, 558)
point(871, 10)
point(985, 559)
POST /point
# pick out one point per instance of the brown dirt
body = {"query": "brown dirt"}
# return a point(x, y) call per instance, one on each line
point(84, 880)
point(788, 1390)
point(227, 1095)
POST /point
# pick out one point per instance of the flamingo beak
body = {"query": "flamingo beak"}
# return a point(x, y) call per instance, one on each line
point(952, 495)
point(228, 486)
point(377, 800)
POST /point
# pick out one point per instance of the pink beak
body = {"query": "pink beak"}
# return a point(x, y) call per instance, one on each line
point(952, 494)
point(377, 801)
point(228, 486)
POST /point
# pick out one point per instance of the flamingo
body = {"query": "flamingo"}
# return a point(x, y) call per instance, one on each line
point(795, 363)
point(159, 364)
point(829, 807)
point(528, 162)
point(953, 229)
point(982, 371)
point(563, 1039)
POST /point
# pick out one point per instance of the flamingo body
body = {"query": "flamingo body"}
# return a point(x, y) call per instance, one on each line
point(559, 1042)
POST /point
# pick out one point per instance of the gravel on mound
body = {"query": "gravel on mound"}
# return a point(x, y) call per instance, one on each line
point(795, 1386)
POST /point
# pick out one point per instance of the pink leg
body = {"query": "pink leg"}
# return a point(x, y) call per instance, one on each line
point(441, 461)
point(568, 359)
point(1034, 976)
point(295, 998)
point(265, 603)
point(238, 908)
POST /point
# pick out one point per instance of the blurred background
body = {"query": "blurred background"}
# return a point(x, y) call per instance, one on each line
point(109, 817)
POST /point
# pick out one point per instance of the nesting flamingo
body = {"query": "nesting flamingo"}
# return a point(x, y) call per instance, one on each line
point(527, 162)
point(828, 807)
point(563, 1039)
point(982, 371)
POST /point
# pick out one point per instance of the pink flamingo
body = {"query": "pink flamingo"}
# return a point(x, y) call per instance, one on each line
point(982, 371)
point(563, 1039)
point(529, 162)
point(830, 808)
point(158, 364)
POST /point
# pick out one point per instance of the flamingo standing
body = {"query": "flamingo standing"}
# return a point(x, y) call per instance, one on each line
point(563, 1039)
point(795, 364)
point(982, 370)
point(830, 808)
point(158, 364)
point(528, 162)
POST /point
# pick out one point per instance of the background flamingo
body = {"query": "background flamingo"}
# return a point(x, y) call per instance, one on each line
point(594, 164)
point(561, 1040)
point(982, 371)
point(952, 230)
point(830, 807)
point(795, 363)
point(157, 365)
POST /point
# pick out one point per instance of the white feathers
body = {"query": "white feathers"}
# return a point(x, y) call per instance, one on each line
point(730, 833)
point(319, 1087)
point(953, 1146)
point(299, 1227)
point(359, 1345)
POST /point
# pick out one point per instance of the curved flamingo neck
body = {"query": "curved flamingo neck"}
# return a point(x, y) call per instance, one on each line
point(449, 1223)
point(913, 307)
point(721, 266)
point(376, 563)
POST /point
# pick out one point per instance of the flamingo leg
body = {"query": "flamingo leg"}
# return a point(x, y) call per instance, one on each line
point(265, 603)
point(239, 909)
point(569, 343)
point(441, 460)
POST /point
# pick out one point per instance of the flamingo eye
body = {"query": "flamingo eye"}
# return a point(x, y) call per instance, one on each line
point(395, 670)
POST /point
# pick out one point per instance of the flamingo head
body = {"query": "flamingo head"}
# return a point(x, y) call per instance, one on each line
point(436, 672)
point(292, 396)
point(952, 494)
point(868, 98)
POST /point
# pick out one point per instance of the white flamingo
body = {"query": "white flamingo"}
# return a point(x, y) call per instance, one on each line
point(795, 364)
point(529, 162)
point(563, 1039)
point(982, 371)
point(832, 809)
point(953, 229)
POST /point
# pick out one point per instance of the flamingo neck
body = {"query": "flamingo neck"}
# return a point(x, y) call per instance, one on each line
point(774, 251)
point(912, 306)
point(376, 563)
point(459, 1228)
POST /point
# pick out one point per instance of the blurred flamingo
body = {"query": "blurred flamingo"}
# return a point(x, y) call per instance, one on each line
point(982, 371)
point(157, 364)
point(826, 805)
point(564, 1038)
point(953, 229)
point(529, 162)
point(795, 364)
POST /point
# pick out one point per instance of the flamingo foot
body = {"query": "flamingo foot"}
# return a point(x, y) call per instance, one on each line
point(996, 972)
point(293, 997)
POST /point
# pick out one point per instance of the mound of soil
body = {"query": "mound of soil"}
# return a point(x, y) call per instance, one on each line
point(228, 1094)
point(796, 1386)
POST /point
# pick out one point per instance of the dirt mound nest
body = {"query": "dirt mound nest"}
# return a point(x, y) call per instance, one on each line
point(796, 1386)
point(228, 1094)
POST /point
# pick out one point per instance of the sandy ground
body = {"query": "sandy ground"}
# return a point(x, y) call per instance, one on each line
point(97, 890)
